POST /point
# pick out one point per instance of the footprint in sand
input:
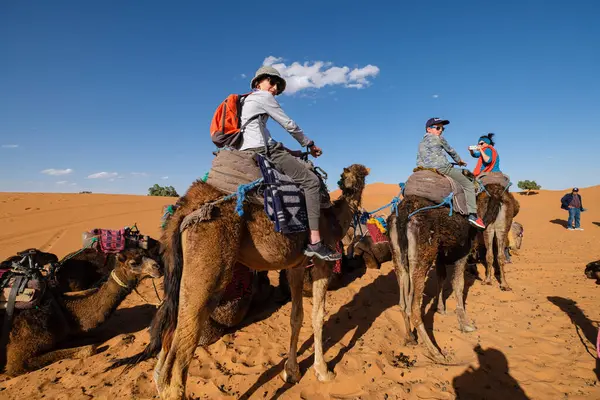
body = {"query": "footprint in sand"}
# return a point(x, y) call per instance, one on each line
point(52, 241)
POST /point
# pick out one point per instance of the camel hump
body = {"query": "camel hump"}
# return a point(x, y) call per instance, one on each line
point(435, 187)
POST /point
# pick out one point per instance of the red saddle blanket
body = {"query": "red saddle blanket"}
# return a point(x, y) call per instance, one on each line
point(376, 234)
point(111, 241)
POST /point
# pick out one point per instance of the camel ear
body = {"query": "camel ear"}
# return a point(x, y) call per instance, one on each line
point(368, 171)
point(121, 257)
point(346, 170)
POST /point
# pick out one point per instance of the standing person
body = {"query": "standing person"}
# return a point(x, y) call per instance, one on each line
point(572, 203)
point(488, 159)
point(256, 110)
point(432, 154)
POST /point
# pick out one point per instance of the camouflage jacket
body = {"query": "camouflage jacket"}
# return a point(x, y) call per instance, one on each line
point(432, 152)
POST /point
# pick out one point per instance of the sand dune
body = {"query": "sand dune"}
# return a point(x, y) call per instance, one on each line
point(534, 342)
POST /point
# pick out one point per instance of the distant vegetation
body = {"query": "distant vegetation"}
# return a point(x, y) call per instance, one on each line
point(167, 191)
point(85, 192)
point(529, 186)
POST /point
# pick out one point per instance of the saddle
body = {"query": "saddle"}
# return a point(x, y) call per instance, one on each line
point(436, 187)
point(494, 178)
point(282, 198)
point(23, 280)
point(114, 241)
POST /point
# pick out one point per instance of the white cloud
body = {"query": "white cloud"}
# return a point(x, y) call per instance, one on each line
point(73, 184)
point(435, 96)
point(56, 172)
point(165, 177)
point(10, 146)
point(62, 182)
point(243, 76)
point(143, 174)
point(102, 175)
point(318, 74)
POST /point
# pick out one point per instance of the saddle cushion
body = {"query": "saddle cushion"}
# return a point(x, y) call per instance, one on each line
point(497, 178)
point(436, 187)
point(282, 198)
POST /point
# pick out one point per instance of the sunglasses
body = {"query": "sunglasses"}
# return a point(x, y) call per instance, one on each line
point(437, 128)
point(482, 143)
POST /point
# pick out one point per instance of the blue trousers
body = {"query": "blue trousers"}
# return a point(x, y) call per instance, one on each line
point(574, 216)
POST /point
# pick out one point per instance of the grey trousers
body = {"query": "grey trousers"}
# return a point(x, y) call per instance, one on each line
point(468, 186)
point(308, 181)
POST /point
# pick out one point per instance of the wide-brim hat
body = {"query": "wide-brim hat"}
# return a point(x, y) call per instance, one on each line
point(268, 71)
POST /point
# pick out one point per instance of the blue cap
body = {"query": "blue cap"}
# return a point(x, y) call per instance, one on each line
point(576, 189)
point(436, 121)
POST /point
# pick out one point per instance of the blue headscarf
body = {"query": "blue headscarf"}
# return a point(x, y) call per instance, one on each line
point(485, 139)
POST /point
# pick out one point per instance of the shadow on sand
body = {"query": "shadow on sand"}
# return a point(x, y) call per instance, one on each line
point(560, 222)
point(586, 330)
point(358, 316)
point(596, 223)
point(491, 380)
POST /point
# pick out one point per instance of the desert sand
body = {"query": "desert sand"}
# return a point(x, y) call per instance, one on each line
point(536, 341)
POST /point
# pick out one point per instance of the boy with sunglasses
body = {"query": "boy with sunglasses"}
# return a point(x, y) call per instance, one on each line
point(432, 154)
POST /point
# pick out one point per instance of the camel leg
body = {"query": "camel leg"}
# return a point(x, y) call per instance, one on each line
point(421, 258)
point(42, 360)
point(197, 298)
point(501, 237)
point(291, 371)
point(458, 286)
point(321, 272)
point(440, 269)
point(488, 237)
point(403, 281)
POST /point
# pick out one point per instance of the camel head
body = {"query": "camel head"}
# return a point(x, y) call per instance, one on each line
point(592, 271)
point(136, 264)
point(352, 181)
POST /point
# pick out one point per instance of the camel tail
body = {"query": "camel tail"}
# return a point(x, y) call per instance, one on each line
point(165, 320)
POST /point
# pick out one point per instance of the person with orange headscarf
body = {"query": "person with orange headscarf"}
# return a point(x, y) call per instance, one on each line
point(488, 159)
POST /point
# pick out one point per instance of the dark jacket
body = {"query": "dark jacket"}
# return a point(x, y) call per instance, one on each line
point(566, 200)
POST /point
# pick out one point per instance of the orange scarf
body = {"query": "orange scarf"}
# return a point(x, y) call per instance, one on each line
point(488, 167)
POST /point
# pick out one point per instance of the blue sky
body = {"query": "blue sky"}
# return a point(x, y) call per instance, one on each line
point(128, 88)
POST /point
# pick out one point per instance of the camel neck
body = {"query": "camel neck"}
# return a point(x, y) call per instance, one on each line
point(345, 208)
point(92, 309)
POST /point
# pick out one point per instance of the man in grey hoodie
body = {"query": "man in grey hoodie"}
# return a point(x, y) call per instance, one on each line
point(432, 154)
point(257, 108)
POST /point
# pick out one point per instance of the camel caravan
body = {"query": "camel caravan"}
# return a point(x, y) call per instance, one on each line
point(263, 207)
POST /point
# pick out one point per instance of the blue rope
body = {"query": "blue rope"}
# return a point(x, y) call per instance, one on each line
point(507, 186)
point(241, 195)
point(446, 201)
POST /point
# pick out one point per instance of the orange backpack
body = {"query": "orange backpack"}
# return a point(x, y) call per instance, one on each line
point(226, 129)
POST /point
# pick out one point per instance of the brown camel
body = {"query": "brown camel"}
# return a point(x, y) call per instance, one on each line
point(87, 268)
point(498, 208)
point(428, 237)
point(592, 271)
point(198, 266)
point(361, 246)
point(360, 253)
point(36, 332)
